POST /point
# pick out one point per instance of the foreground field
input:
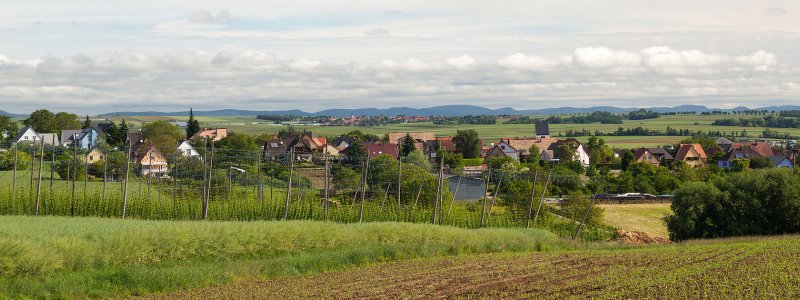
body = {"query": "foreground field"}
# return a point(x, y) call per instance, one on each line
point(647, 217)
point(764, 268)
point(59, 257)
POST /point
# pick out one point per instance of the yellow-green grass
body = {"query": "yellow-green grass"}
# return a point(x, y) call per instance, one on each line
point(745, 268)
point(648, 217)
point(61, 257)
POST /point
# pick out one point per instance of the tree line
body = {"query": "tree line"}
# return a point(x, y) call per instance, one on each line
point(767, 121)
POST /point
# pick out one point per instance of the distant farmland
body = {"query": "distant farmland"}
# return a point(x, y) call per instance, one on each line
point(491, 133)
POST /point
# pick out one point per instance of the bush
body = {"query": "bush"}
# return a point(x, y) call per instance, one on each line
point(762, 202)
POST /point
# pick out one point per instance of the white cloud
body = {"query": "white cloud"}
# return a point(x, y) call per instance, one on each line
point(519, 61)
point(377, 32)
point(223, 16)
point(120, 80)
point(463, 62)
point(759, 60)
point(603, 57)
point(776, 11)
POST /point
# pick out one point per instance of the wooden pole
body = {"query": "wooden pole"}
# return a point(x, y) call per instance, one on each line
point(74, 173)
point(258, 180)
point(14, 177)
point(454, 194)
point(210, 180)
point(363, 190)
point(327, 187)
point(496, 191)
point(127, 174)
point(85, 179)
point(419, 191)
point(586, 214)
point(438, 190)
point(205, 160)
point(533, 196)
point(33, 158)
point(485, 191)
point(399, 176)
point(52, 174)
point(289, 185)
point(175, 188)
point(544, 191)
point(39, 180)
point(105, 176)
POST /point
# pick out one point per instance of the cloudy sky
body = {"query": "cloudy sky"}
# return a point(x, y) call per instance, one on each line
point(93, 56)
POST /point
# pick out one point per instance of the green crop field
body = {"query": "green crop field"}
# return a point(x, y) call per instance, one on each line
point(491, 133)
point(744, 268)
point(61, 257)
point(638, 217)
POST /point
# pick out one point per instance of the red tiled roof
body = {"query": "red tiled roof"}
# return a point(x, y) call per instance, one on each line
point(685, 148)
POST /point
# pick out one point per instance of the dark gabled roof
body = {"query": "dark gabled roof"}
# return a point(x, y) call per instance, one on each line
point(22, 132)
point(66, 135)
point(102, 127)
point(777, 160)
point(344, 138)
point(658, 151)
point(542, 128)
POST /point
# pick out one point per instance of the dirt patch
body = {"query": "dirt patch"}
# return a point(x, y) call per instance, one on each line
point(640, 238)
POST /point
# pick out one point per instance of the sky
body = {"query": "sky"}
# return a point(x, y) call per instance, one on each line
point(98, 56)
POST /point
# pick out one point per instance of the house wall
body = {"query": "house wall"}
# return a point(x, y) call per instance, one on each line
point(583, 157)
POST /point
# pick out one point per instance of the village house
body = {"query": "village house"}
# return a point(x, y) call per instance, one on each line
point(502, 149)
point(542, 129)
point(94, 156)
point(692, 154)
point(26, 135)
point(50, 139)
point(445, 144)
point(373, 150)
point(149, 160)
point(86, 138)
point(186, 149)
point(275, 149)
point(781, 162)
point(214, 134)
point(646, 156)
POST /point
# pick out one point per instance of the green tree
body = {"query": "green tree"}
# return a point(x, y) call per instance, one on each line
point(112, 135)
point(164, 135)
point(741, 165)
point(575, 205)
point(122, 133)
point(345, 179)
point(468, 143)
point(760, 162)
point(627, 159)
point(86, 123)
point(416, 157)
point(66, 121)
point(356, 154)
point(407, 146)
point(565, 152)
point(535, 154)
point(8, 128)
point(41, 120)
point(192, 125)
point(7, 160)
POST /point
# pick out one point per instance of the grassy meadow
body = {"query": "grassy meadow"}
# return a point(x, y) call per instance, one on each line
point(61, 257)
point(646, 217)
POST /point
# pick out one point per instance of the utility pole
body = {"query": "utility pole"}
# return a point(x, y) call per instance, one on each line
point(74, 173)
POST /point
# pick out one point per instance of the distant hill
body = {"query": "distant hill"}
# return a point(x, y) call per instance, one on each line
point(444, 110)
point(5, 113)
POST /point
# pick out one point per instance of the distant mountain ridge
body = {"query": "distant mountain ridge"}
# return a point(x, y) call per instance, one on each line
point(445, 110)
